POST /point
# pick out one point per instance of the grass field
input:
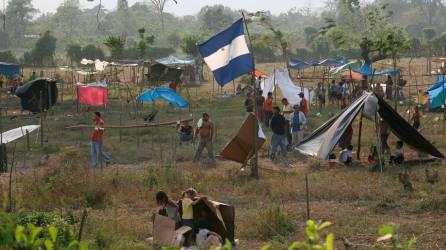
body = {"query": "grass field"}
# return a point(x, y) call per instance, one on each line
point(120, 198)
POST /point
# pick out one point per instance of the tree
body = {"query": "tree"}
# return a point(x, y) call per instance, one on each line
point(215, 18)
point(116, 45)
point(4, 40)
point(310, 34)
point(123, 5)
point(174, 39)
point(143, 42)
point(377, 38)
point(7, 56)
point(44, 49)
point(19, 14)
point(429, 34)
point(74, 53)
point(160, 6)
point(92, 52)
point(189, 45)
point(67, 19)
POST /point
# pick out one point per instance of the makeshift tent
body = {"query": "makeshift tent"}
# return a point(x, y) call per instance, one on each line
point(9, 69)
point(258, 73)
point(299, 65)
point(31, 92)
point(95, 94)
point(286, 86)
point(219, 218)
point(437, 93)
point(365, 70)
point(166, 94)
point(336, 72)
point(439, 81)
point(241, 148)
point(17, 133)
point(354, 75)
point(323, 140)
point(161, 73)
point(176, 61)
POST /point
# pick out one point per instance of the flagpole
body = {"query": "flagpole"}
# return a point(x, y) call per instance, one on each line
point(254, 161)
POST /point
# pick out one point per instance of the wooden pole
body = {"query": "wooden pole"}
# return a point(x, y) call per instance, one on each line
point(10, 204)
point(81, 227)
point(358, 152)
point(41, 118)
point(307, 196)
point(254, 162)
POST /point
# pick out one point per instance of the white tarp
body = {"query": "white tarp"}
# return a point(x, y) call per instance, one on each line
point(17, 133)
point(287, 87)
point(98, 64)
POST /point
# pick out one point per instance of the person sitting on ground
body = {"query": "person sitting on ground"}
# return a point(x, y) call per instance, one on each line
point(205, 238)
point(185, 132)
point(397, 157)
point(189, 199)
point(346, 155)
point(168, 207)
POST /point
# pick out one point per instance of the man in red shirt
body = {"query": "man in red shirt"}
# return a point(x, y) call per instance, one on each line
point(268, 108)
point(97, 140)
point(303, 103)
point(173, 86)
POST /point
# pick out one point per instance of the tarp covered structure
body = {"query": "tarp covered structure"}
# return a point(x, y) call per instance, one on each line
point(176, 60)
point(162, 73)
point(437, 93)
point(95, 94)
point(290, 91)
point(323, 140)
point(165, 94)
point(31, 92)
point(241, 148)
point(9, 69)
point(17, 133)
point(300, 65)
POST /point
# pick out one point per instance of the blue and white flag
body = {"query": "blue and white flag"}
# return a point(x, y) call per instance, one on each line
point(227, 54)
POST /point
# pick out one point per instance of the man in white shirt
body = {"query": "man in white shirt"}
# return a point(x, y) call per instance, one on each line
point(287, 110)
point(297, 121)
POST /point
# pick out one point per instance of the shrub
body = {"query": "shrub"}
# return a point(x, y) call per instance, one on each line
point(273, 222)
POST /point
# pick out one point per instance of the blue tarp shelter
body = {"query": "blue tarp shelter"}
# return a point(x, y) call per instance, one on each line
point(365, 70)
point(299, 65)
point(176, 60)
point(9, 69)
point(437, 93)
point(165, 94)
point(388, 72)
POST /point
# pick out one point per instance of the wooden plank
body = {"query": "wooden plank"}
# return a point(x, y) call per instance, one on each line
point(145, 125)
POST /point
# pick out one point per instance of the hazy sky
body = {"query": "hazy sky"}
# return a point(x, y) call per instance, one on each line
point(188, 7)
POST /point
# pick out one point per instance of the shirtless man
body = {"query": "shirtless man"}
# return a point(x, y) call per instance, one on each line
point(205, 131)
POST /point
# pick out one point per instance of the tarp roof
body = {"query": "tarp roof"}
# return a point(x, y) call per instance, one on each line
point(299, 64)
point(165, 94)
point(31, 92)
point(323, 140)
point(354, 75)
point(176, 60)
point(9, 69)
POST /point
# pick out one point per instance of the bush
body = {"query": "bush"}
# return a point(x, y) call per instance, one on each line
point(95, 198)
point(273, 222)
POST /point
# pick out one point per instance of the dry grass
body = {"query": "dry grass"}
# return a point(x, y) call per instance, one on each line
point(121, 198)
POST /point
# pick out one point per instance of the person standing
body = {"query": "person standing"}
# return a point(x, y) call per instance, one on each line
point(173, 86)
point(303, 103)
point(33, 76)
point(97, 142)
point(205, 130)
point(389, 88)
point(321, 95)
point(278, 139)
point(260, 102)
point(298, 121)
point(416, 118)
point(287, 110)
point(332, 92)
point(268, 107)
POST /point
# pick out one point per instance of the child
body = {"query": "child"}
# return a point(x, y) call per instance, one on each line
point(416, 118)
point(167, 207)
point(398, 156)
point(346, 155)
point(187, 202)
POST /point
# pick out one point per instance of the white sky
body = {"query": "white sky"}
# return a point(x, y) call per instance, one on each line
point(190, 7)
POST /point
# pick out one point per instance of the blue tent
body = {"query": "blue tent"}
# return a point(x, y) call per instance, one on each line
point(166, 94)
point(438, 83)
point(365, 70)
point(176, 60)
point(299, 65)
point(9, 69)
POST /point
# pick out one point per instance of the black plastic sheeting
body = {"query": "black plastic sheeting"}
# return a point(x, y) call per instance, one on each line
point(161, 73)
point(323, 140)
point(404, 131)
point(31, 92)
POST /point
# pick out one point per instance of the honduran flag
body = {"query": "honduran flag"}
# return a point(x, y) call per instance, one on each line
point(227, 54)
